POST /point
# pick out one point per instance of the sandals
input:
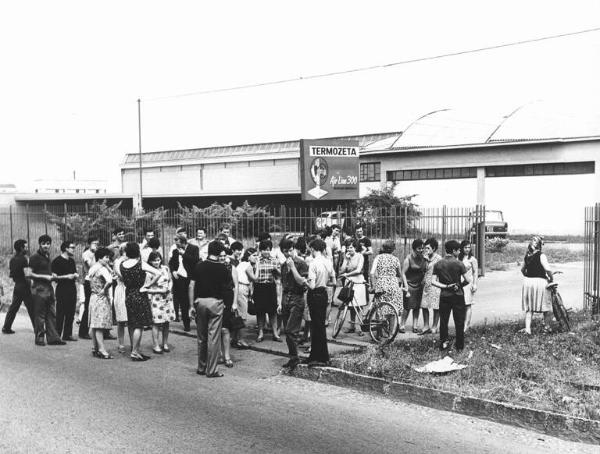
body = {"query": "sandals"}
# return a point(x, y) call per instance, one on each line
point(228, 363)
point(277, 339)
point(139, 357)
point(104, 355)
point(157, 351)
point(165, 348)
point(260, 338)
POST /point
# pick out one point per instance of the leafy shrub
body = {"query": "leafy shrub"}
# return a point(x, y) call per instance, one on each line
point(495, 244)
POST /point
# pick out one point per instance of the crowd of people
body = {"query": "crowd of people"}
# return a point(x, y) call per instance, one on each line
point(290, 287)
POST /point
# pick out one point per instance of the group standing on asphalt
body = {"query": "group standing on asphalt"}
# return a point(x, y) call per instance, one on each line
point(220, 283)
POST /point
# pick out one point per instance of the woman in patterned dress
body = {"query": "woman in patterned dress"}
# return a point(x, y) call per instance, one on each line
point(100, 310)
point(119, 301)
point(163, 312)
point(386, 274)
point(431, 294)
point(139, 312)
point(466, 256)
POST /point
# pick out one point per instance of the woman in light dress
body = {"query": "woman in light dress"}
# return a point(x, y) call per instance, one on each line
point(352, 269)
point(161, 301)
point(431, 294)
point(470, 262)
point(119, 301)
point(100, 309)
point(535, 297)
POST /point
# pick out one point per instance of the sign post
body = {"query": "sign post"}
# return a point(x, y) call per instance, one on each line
point(329, 169)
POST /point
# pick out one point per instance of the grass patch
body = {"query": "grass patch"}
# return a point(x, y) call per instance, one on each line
point(514, 254)
point(556, 372)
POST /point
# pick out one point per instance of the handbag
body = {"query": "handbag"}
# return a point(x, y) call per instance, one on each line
point(347, 292)
point(237, 322)
point(251, 306)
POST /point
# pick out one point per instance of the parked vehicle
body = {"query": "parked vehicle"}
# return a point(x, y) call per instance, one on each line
point(495, 225)
point(329, 218)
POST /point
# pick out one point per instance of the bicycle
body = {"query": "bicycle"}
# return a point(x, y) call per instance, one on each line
point(560, 313)
point(380, 319)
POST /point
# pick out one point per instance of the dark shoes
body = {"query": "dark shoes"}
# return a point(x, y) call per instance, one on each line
point(277, 339)
point(317, 364)
point(57, 342)
point(70, 339)
point(40, 343)
point(85, 336)
point(7, 331)
point(216, 375)
point(291, 364)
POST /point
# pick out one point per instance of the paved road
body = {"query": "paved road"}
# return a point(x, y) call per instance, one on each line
point(60, 399)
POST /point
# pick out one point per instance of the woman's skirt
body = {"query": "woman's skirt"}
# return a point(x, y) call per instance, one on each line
point(100, 312)
point(413, 298)
point(431, 297)
point(265, 298)
point(243, 295)
point(534, 295)
point(162, 308)
point(119, 303)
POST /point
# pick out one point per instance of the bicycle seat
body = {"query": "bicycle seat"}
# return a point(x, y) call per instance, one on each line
point(552, 285)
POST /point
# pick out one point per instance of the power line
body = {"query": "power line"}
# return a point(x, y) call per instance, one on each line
point(370, 68)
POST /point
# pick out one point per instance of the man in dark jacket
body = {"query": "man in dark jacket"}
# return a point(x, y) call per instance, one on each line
point(22, 290)
point(182, 263)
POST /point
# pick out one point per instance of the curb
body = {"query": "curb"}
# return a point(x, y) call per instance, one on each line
point(554, 424)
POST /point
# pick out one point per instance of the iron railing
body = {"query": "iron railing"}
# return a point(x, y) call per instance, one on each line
point(591, 268)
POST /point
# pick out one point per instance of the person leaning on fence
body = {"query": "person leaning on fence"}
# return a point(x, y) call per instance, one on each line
point(22, 289)
point(535, 297)
point(450, 274)
point(43, 294)
point(208, 286)
point(66, 290)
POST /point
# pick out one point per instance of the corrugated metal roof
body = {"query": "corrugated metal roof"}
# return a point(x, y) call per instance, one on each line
point(534, 122)
point(241, 150)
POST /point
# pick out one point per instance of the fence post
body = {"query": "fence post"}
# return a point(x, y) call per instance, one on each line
point(162, 235)
point(10, 217)
point(65, 223)
point(45, 219)
point(481, 238)
point(444, 224)
point(27, 220)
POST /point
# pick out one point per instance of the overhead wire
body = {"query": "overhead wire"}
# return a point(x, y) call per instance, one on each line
point(373, 67)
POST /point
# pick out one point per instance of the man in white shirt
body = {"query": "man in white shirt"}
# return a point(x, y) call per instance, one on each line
point(201, 241)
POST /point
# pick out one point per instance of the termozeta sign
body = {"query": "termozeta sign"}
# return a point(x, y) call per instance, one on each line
point(329, 169)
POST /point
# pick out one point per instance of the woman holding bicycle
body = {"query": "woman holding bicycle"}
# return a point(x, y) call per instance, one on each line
point(535, 297)
point(352, 270)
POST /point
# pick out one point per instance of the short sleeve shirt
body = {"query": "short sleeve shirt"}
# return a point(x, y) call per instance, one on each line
point(62, 266)
point(267, 270)
point(319, 271)
point(17, 267)
point(40, 264)
point(449, 271)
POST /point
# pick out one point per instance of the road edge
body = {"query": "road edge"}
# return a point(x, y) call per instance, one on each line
point(555, 424)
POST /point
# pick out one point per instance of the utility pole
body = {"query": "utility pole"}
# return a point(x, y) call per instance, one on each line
point(139, 103)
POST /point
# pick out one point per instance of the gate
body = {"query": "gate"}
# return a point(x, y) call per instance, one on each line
point(591, 269)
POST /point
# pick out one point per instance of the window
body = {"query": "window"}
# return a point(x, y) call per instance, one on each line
point(566, 168)
point(370, 171)
point(431, 174)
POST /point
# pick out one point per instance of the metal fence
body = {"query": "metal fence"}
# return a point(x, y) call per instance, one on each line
point(591, 269)
point(401, 224)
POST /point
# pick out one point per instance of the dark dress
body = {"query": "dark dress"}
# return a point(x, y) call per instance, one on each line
point(417, 267)
point(139, 311)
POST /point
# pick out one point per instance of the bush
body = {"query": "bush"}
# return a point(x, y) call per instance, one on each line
point(495, 244)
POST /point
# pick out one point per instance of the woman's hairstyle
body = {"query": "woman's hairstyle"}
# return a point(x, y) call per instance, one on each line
point(132, 250)
point(388, 247)
point(286, 244)
point(101, 253)
point(464, 243)
point(416, 244)
point(153, 243)
point(263, 236)
point(433, 243)
point(247, 253)
point(536, 243)
point(264, 245)
point(353, 242)
point(153, 256)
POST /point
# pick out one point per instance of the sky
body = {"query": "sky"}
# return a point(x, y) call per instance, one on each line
point(73, 71)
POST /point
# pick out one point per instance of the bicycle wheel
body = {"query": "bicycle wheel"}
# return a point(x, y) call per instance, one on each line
point(383, 323)
point(339, 320)
point(560, 313)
